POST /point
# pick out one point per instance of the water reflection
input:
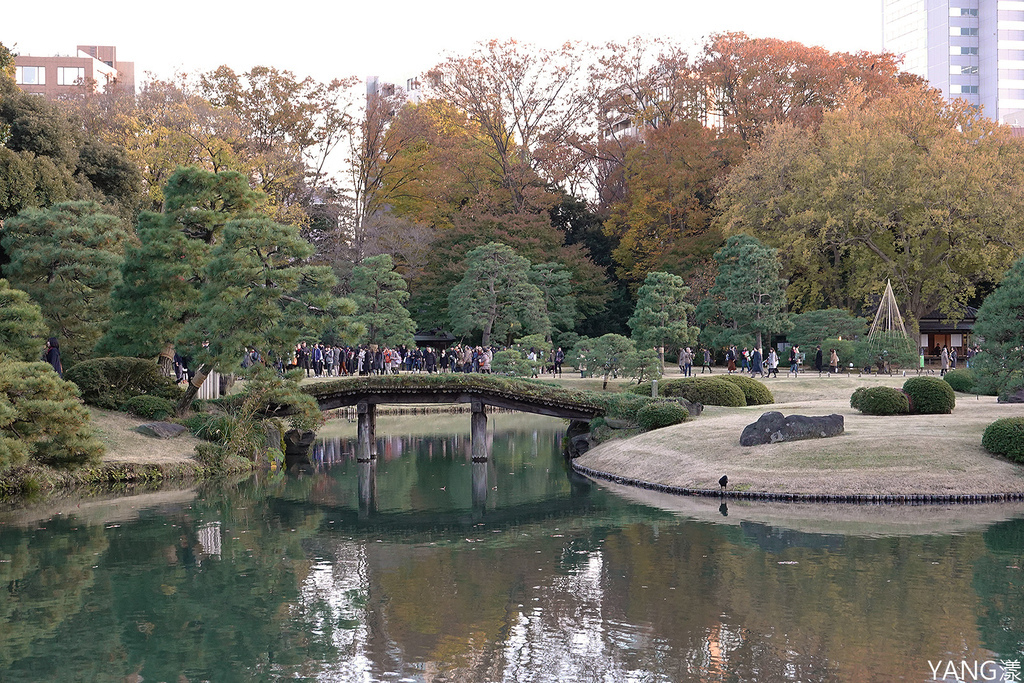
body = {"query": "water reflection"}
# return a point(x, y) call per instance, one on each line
point(425, 566)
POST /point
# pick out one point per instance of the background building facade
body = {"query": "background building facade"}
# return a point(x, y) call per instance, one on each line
point(969, 49)
point(93, 68)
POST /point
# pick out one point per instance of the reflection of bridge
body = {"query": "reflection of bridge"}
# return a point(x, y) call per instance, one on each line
point(366, 393)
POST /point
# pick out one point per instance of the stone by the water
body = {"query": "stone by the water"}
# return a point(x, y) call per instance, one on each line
point(774, 427)
point(162, 430)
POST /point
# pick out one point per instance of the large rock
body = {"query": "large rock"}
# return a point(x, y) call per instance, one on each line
point(1017, 397)
point(774, 427)
point(694, 409)
point(162, 430)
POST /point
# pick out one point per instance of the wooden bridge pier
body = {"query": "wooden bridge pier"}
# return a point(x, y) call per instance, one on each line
point(366, 431)
point(478, 432)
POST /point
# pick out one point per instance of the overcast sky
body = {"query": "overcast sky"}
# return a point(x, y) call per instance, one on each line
point(400, 38)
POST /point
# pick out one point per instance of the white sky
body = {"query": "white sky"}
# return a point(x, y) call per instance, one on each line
point(402, 38)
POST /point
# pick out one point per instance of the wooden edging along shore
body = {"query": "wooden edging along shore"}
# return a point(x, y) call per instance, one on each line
point(855, 498)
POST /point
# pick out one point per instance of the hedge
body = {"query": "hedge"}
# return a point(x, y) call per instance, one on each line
point(880, 401)
point(150, 407)
point(709, 391)
point(961, 380)
point(661, 414)
point(756, 393)
point(929, 395)
point(110, 382)
point(1005, 437)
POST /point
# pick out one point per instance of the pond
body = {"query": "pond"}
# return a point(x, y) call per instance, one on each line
point(424, 567)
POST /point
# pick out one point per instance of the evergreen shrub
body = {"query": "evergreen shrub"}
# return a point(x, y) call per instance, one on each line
point(150, 407)
point(755, 392)
point(661, 414)
point(961, 380)
point(1005, 437)
point(929, 395)
point(709, 391)
point(110, 382)
point(880, 401)
point(42, 419)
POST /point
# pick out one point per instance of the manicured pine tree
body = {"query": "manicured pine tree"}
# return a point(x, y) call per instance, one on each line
point(163, 275)
point(380, 294)
point(257, 292)
point(1000, 326)
point(661, 314)
point(22, 330)
point(748, 290)
point(68, 258)
point(496, 296)
point(555, 282)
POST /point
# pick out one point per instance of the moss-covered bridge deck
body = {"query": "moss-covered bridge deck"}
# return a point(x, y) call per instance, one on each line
point(478, 390)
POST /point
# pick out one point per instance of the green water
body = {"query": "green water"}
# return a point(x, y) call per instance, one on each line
point(426, 568)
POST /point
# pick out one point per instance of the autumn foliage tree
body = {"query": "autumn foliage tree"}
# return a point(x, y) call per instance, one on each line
point(906, 187)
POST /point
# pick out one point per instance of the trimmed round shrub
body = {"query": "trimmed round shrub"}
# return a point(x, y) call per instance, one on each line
point(880, 401)
point(110, 382)
point(929, 395)
point(961, 380)
point(1005, 437)
point(661, 414)
point(151, 407)
point(756, 393)
point(709, 391)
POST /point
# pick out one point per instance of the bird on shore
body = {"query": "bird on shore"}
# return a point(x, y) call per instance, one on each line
point(724, 481)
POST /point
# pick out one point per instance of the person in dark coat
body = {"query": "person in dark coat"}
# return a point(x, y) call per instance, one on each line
point(52, 355)
point(818, 364)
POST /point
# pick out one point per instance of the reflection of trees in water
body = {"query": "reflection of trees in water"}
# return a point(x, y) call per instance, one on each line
point(999, 582)
point(45, 575)
point(208, 593)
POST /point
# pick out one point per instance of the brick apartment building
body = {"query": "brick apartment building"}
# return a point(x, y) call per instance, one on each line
point(94, 68)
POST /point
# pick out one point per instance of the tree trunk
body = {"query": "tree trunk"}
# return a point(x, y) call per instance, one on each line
point(166, 361)
point(190, 393)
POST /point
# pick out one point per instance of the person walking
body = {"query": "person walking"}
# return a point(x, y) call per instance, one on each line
point(756, 363)
point(943, 361)
point(818, 361)
point(707, 362)
point(773, 363)
point(794, 360)
point(686, 362)
point(833, 362)
point(559, 359)
point(730, 359)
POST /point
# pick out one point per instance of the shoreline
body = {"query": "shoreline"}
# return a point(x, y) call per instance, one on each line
point(907, 459)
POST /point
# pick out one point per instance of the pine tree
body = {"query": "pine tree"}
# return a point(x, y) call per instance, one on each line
point(42, 418)
point(68, 258)
point(661, 314)
point(1000, 326)
point(749, 292)
point(162, 276)
point(256, 292)
point(496, 296)
point(380, 294)
point(21, 325)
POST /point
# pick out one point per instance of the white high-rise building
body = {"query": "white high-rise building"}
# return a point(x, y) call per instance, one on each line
point(969, 49)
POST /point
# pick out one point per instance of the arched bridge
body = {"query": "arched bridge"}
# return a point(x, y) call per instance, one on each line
point(366, 393)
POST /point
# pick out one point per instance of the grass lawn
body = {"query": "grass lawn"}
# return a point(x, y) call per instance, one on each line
point(909, 454)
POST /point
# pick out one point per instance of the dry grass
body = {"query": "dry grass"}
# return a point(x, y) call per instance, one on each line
point(123, 443)
point(912, 454)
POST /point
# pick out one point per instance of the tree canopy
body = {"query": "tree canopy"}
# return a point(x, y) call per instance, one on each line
point(906, 186)
point(749, 294)
point(496, 296)
point(380, 294)
point(68, 258)
point(661, 314)
point(1000, 326)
